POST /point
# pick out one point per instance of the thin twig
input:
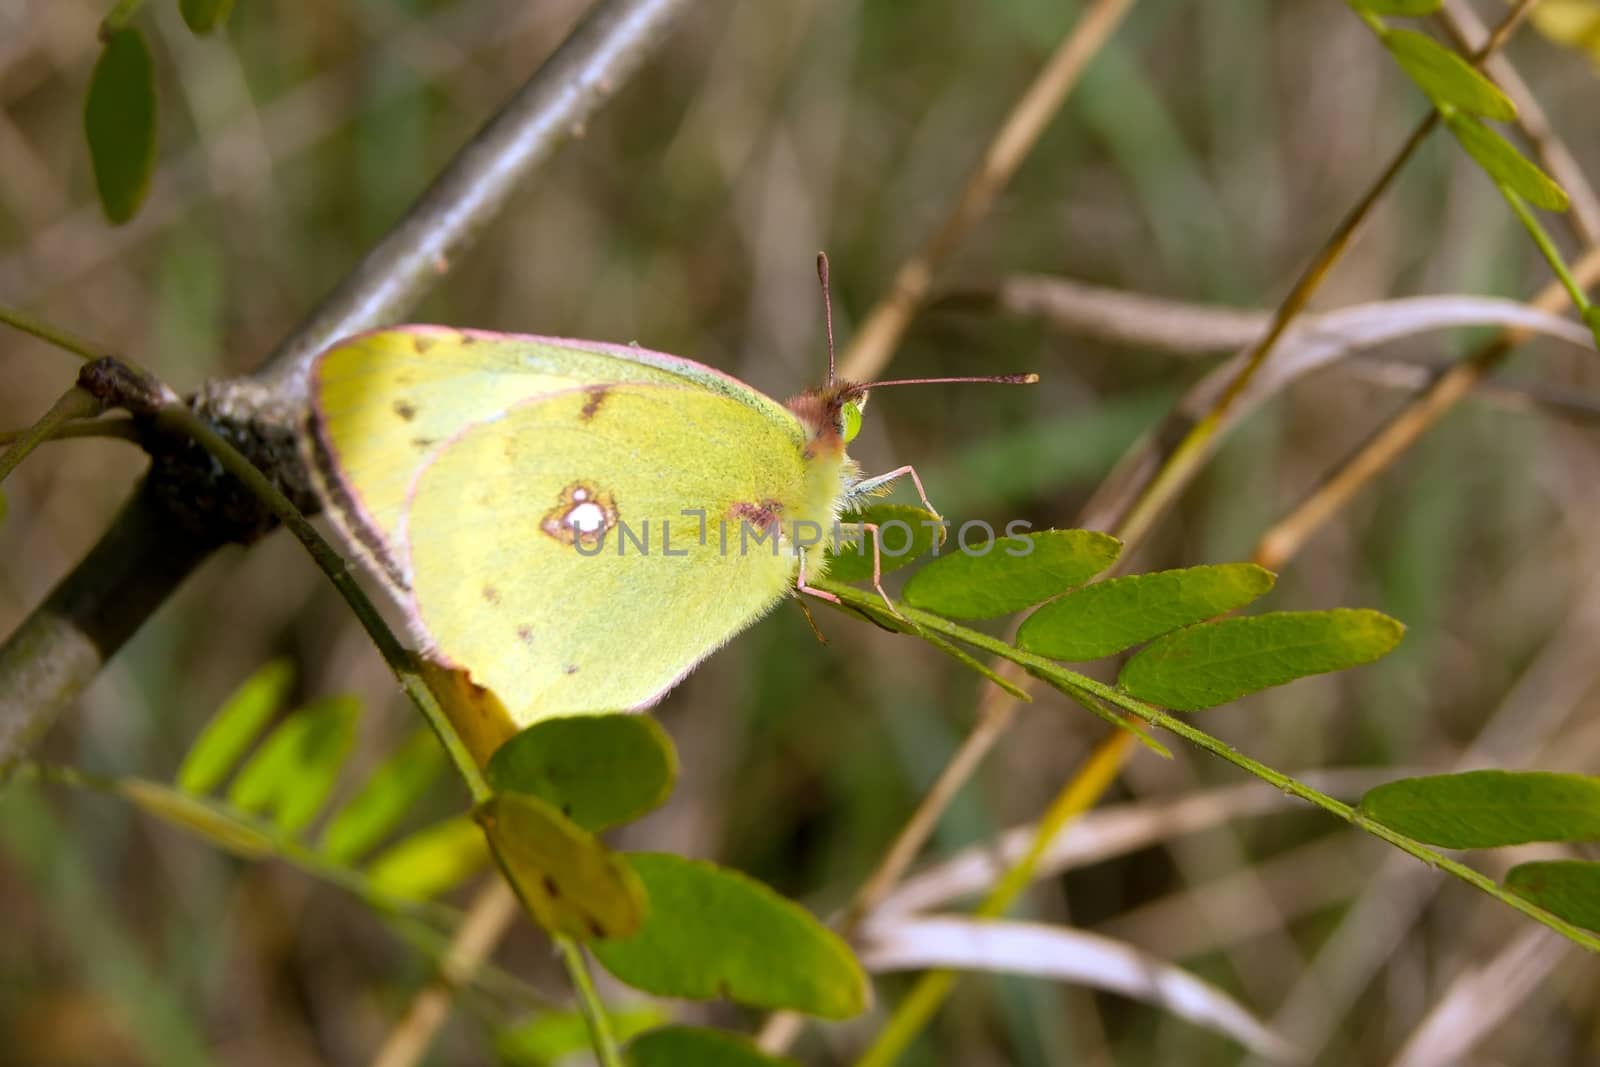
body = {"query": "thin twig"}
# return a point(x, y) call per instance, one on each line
point(874, 342)
point(73, 404)
point(600, 55)
point(63, 339)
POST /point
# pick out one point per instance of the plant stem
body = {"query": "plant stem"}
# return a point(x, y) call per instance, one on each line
point(51, 334)
point(72, 404)
point(1091, 689)
point(594, 1012)
point(180, 418)
point(1547, 248)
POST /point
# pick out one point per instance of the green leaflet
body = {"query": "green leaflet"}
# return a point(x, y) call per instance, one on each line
point(697, 1046)
point(119, 119)
point(984, 578)
point(431, 861)
point(1568, 888)
point(296, 768)
point(235, 727)
point(908, 536)
point(1446, 77)
point(1215, 662)
point(1107, 617)
point(714, 932)
point(598, 770)
point(1487, 809)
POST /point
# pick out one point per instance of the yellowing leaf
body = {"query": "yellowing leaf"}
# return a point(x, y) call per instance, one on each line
point(567, 880)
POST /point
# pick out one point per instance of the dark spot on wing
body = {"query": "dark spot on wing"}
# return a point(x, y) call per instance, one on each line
point(525, 634)
point(591, 407)
point(762, 516)
point(423, 442)
point(594, 926)
point(422, 342)
point(405, 409)
point(466, 339)
point(550, 887)
point(571, 668)
point(491, 595)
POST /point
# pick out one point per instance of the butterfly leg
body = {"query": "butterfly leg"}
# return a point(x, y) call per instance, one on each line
point(877, 563)
point(801, 586)
point(869, 487)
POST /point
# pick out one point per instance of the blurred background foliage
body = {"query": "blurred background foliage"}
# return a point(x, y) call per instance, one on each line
point(1208, 151)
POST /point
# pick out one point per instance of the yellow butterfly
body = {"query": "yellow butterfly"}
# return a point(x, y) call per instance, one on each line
point(577, 524)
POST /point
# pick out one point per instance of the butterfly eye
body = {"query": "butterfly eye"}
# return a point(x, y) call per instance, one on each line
point(850, 416)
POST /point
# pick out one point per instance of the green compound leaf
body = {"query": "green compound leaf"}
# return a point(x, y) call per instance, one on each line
point(1505, 164)
point(713, 932)
point(235, 727)
point(119, 119)
point(1402, 8)
point(1487, 809)
point(431, 861)
point(909, 536)
point(598, 770)
point(384, 798)
point(297, 767)
point(1216, 662)
point(203, 16)
point(696, 1046)
point(985, 579)
point(1446, 77)
point(1107, 617)
point(1568, 888)
point(569, 882)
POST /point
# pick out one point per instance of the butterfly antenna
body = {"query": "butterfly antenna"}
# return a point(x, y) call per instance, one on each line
point(827, 307)
point(993, 379)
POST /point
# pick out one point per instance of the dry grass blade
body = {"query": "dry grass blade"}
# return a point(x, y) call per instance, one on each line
point(1106, 833)
point(1064, 954)
point(1307, 346)
point(1480, 998)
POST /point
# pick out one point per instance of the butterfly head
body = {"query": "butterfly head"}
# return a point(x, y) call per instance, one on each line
point(831, 415)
